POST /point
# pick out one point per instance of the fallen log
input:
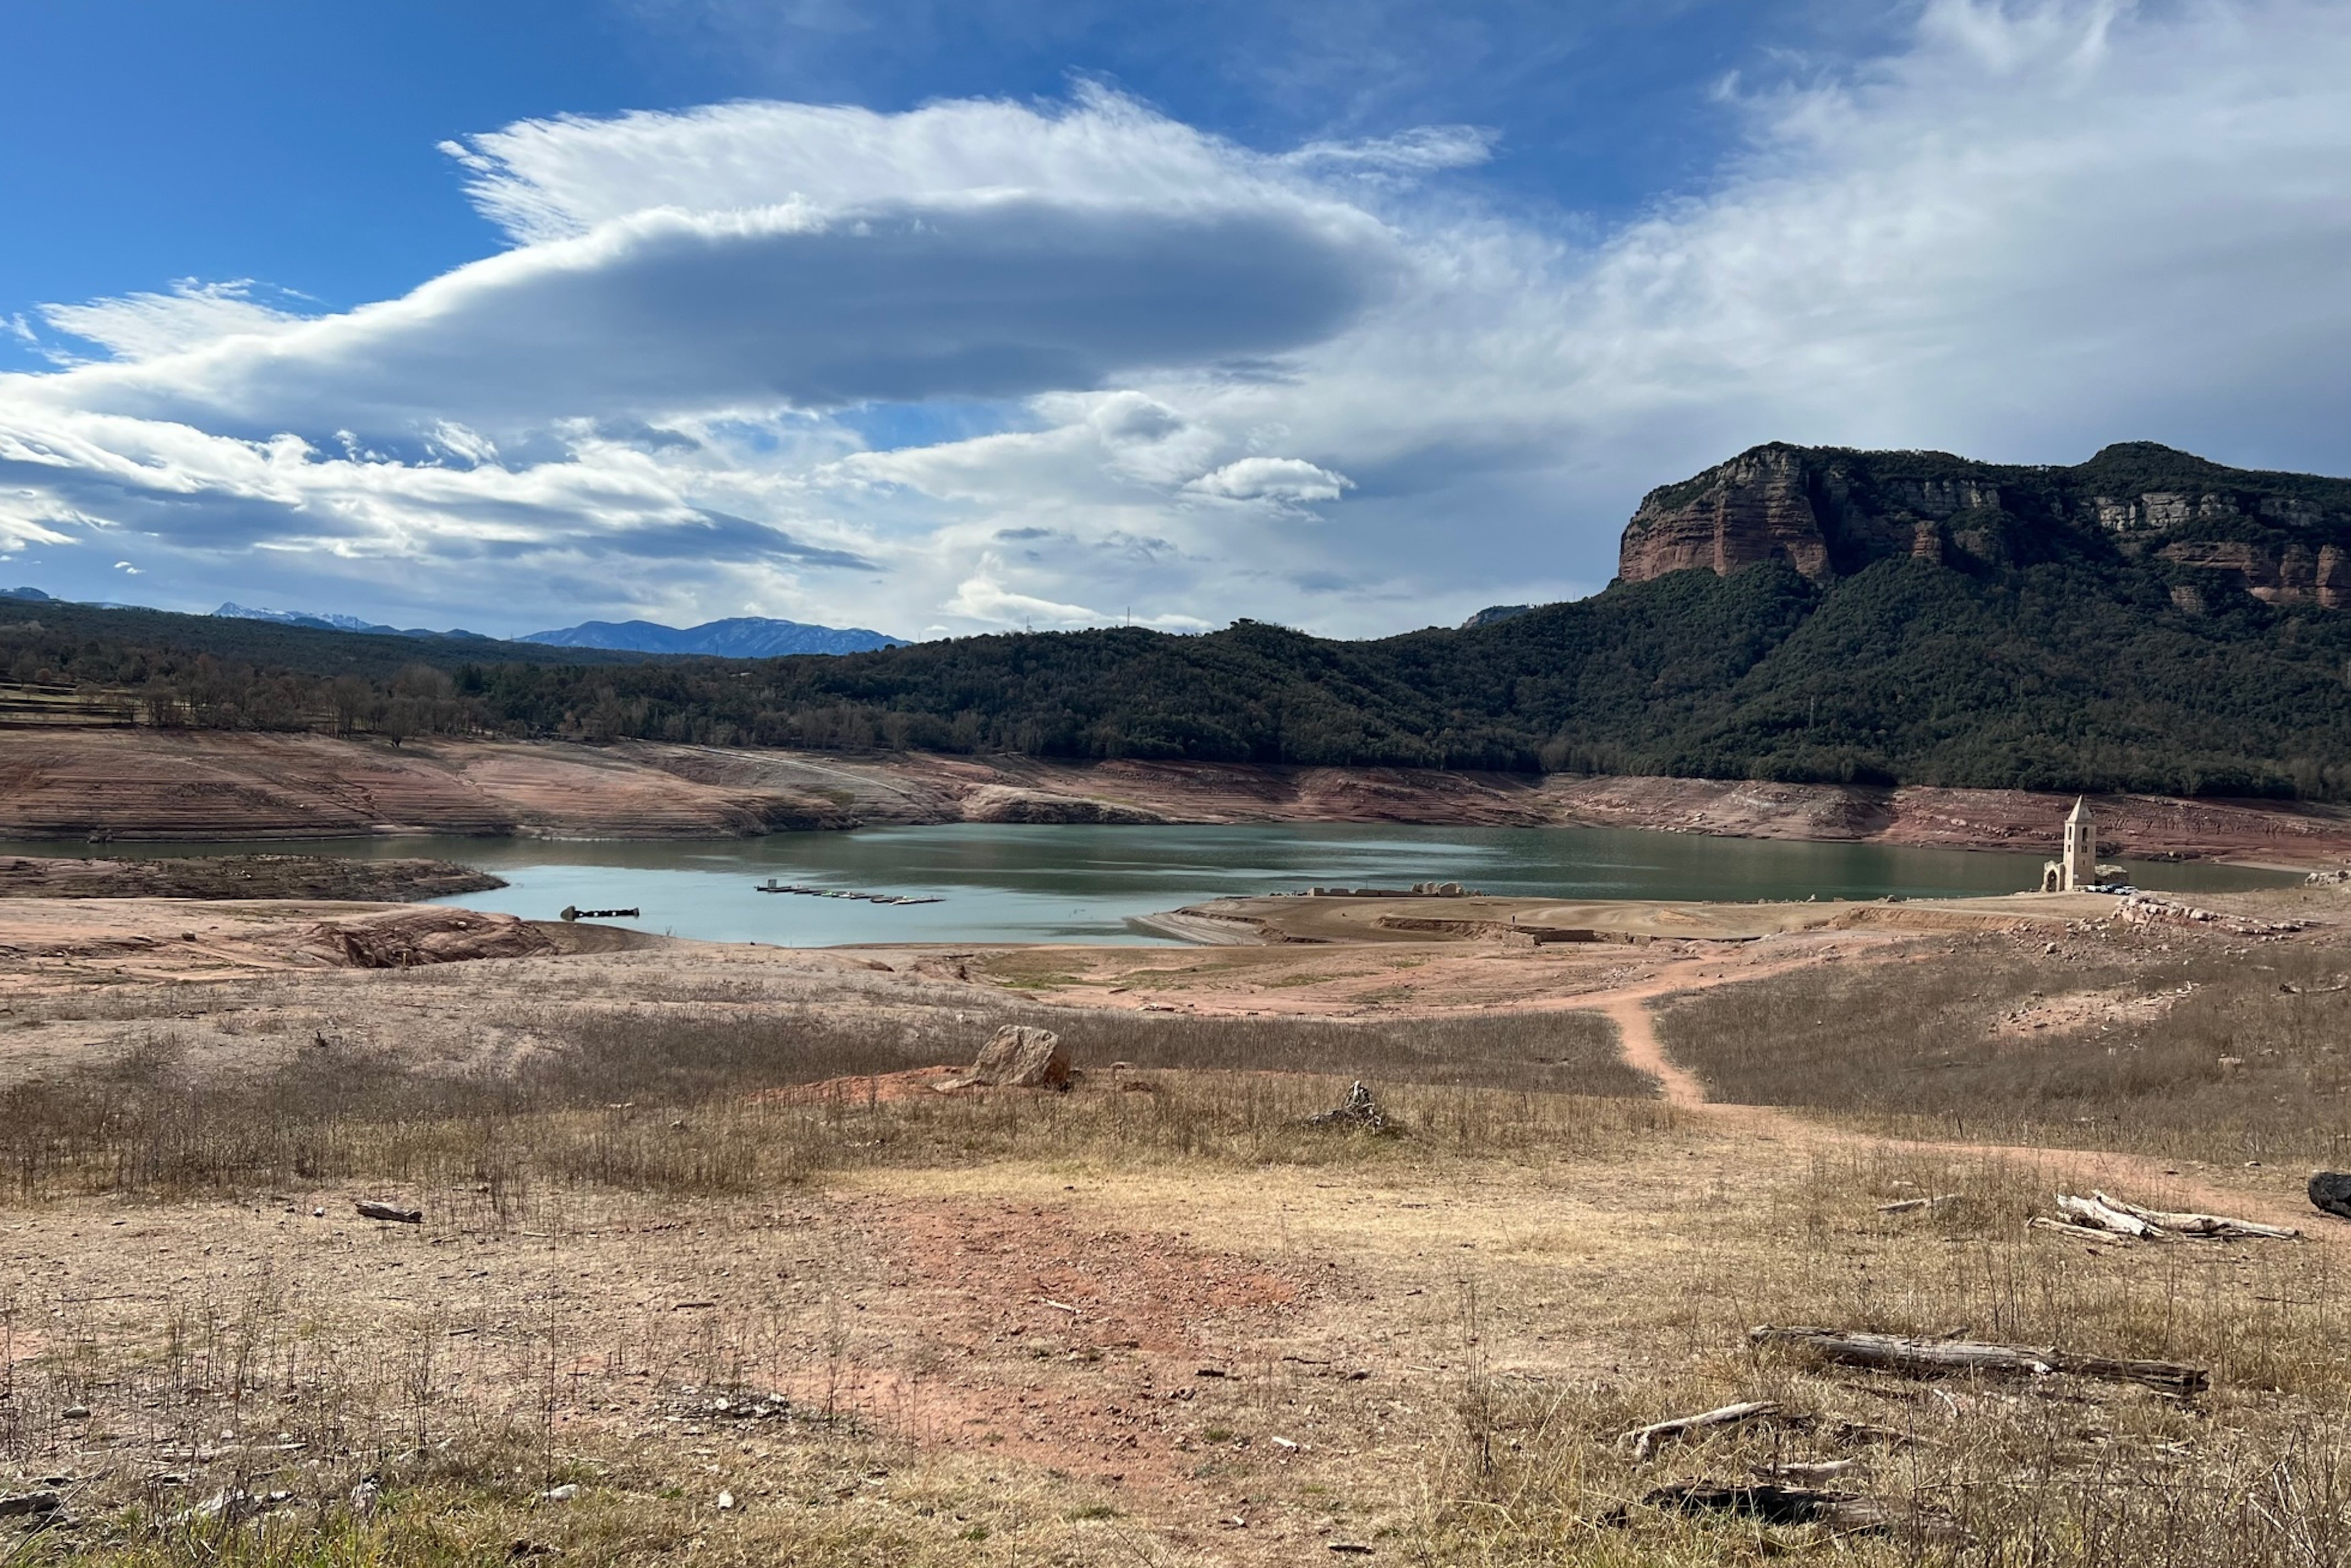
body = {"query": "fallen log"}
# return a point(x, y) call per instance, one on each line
point(1911, 1357)
point(2214, 1224)
point(2089, 1211)
point(371, 1209)
point(2078, 1232)
point(1945, 1357)
point(1647, 1439)
point(2169, 1376)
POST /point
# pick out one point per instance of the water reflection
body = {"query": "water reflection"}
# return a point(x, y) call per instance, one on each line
point(999, 883)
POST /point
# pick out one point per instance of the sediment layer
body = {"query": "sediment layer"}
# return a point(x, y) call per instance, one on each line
point(140, 784)
point(403, 881)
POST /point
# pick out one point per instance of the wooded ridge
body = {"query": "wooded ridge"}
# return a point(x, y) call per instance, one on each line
point(2008, 643)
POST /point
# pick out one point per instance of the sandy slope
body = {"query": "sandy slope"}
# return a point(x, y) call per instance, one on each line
point(184, 784)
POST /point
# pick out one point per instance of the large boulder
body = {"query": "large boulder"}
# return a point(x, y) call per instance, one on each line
point(2331, 1191)
point(1019, 1057)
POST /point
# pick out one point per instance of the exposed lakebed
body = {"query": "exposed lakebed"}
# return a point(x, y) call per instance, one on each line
point(998, 882)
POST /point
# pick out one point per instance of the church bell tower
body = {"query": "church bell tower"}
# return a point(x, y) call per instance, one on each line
point(2081, 861)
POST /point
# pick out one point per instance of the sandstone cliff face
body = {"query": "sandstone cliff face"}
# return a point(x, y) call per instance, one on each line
point(2281, 574)
point(1828, 511)
point(1819, 511)
point(1755, 509)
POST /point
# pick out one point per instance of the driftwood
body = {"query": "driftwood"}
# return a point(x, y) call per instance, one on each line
point(2097, 1215)
point(1357, 1110)
point(371, 1209)
point(1942, 1358)
point(2099, 1212)
point(2078, 1232)
point(1647, 1439)
point(2212, 1224)
point(1768, 1502)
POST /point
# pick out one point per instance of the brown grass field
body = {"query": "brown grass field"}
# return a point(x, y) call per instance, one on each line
point(709, 1272)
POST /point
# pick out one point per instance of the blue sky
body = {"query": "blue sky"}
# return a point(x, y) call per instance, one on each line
point(941, 318)
point(296, 142)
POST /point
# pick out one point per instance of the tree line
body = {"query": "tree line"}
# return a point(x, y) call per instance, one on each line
point(2069, 674)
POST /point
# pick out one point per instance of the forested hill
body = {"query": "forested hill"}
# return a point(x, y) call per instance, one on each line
point(2073, 655)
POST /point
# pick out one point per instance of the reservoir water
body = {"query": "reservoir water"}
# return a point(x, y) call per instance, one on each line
point(1011, 883)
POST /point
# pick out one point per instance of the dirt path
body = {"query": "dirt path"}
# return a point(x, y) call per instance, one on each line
point(1638, 1043)
point(1630, 1008)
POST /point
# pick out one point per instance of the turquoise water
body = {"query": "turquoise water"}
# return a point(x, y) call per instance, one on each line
point(1007, 884)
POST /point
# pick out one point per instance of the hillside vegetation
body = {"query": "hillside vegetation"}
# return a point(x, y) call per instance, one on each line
point(2065, 658)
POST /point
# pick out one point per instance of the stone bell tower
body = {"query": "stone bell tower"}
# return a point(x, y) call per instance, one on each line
point(2081, 861)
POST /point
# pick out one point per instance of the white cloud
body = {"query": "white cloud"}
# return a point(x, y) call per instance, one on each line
point(668, 312)
point(985, 362)
point(551, 178)
point(1273, 479)
point(984, 598)
point(145, 326)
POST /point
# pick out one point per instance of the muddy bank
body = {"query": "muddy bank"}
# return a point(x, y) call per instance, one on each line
point(145, 784)
point(1531, 922)
point(240, 876)
point(63, 945)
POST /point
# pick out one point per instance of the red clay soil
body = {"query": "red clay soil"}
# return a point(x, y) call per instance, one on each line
point(1071, 1346)
point(138, 783)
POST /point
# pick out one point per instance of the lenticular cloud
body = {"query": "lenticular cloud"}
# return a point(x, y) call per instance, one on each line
point(759, 256)
point(714, 284)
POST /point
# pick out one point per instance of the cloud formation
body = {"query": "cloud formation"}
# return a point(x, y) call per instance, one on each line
point(1131, 364)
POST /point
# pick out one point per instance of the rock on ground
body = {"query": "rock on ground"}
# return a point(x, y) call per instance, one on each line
point(2330, 1191)
point(421, 936)
point(1019, 1057)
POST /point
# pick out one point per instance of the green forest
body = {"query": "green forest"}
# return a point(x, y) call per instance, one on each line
point(2070, 672)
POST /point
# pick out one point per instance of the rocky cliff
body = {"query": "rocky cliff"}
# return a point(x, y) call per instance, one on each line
point(1830, 511)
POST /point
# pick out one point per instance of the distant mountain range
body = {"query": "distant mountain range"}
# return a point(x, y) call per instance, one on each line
point(742, 637)
point(22, 593)
point(235, 611)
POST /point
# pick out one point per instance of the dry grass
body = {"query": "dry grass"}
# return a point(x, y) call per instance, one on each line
point(1973, 1470)
point(667, 1099)
point(1525, 1275)
point(2239, 1067)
